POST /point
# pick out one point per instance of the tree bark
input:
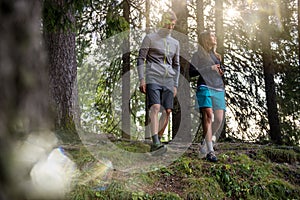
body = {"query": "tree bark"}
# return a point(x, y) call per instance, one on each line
point(126, 78)
point(269, 72)
point(199, 17)
point(219, 26)
point(299, 32)
point(220, 42)
point(182, 109)
point(60, 44)
point(23, 84)
point(200, 28)
point(147, 116)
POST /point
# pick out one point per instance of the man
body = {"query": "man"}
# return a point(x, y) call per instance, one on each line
point(159, 55)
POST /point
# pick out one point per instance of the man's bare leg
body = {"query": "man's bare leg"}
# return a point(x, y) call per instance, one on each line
point(163, 122)
point(154, 124)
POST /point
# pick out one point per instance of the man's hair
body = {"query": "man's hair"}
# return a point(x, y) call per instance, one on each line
point(167, 17)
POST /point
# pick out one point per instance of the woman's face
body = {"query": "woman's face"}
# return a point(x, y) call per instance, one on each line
point(212, 39)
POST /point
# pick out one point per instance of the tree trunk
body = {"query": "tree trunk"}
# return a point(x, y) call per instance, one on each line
point(199, 17)
point(200, 28)
point(60, 44)
point(220, 42)
point(23, 84)
point(147, 117)
point(182, 128)
point(126, 78)
point(219, 26)
point(299, 32)
point(269, 72)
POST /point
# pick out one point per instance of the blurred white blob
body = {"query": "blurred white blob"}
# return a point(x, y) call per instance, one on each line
point(41, 169)
point(52, 177)
point(36, 146)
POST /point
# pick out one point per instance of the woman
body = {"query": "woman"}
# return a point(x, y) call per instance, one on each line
point(206, 63)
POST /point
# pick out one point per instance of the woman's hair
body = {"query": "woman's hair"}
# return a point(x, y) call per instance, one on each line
point(167, 17)
point(204, 40)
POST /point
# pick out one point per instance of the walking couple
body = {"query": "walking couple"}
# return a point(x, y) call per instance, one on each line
point(159, 68)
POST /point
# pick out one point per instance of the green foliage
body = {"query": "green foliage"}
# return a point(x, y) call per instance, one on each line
point(81, 192)
point(105, 100)
point(81, 156)
point(137, 147)
point(60, 16)
point(166, 196)
point(184, 165)
point(115, 25)
point(281, 155)
point(203, 188)
point(239, 174)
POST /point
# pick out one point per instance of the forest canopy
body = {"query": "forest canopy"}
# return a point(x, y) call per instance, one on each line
point(251, 35)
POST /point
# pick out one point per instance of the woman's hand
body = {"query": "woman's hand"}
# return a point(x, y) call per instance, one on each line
point(218, 69)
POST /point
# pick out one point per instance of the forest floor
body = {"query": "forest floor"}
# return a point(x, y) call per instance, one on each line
point(243, 171)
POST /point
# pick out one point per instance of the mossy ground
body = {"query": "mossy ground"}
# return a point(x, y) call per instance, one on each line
point(244, 171)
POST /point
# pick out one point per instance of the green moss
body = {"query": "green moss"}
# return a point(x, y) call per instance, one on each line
point(237, 175)
point(166, 196)
point(81, 156)
point(136, 147)
point(280, 189)
point(287, 173)
point(81, 192)
point(66, 131)
point(184, 165)
point(203, 188)
point(281, 155)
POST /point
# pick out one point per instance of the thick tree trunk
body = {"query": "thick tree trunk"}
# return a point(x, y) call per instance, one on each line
point(269, 72)
point(60, 44)
point(23, 83)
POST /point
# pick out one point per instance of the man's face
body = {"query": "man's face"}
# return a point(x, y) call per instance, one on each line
point(170, 24)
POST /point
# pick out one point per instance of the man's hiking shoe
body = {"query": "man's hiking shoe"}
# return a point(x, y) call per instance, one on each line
point(211, 157)
point(158, 149)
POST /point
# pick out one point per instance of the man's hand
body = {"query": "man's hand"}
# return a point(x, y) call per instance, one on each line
point(175, 91)
point(143, 86)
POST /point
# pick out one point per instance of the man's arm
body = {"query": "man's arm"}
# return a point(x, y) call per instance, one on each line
point(141, 62)
point(176, 66)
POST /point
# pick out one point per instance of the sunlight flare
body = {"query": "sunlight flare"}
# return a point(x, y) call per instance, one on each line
point(232, 13)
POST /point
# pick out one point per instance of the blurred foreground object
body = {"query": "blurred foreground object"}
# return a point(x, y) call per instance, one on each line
point(41, 169)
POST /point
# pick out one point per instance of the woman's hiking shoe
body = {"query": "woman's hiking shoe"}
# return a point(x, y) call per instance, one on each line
point(202, 151)
point(158, 149)
point(211, 157)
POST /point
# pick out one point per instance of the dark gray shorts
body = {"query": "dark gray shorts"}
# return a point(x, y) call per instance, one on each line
point(157, 94)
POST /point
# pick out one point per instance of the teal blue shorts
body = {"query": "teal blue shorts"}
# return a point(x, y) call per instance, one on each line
point(210, 98)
